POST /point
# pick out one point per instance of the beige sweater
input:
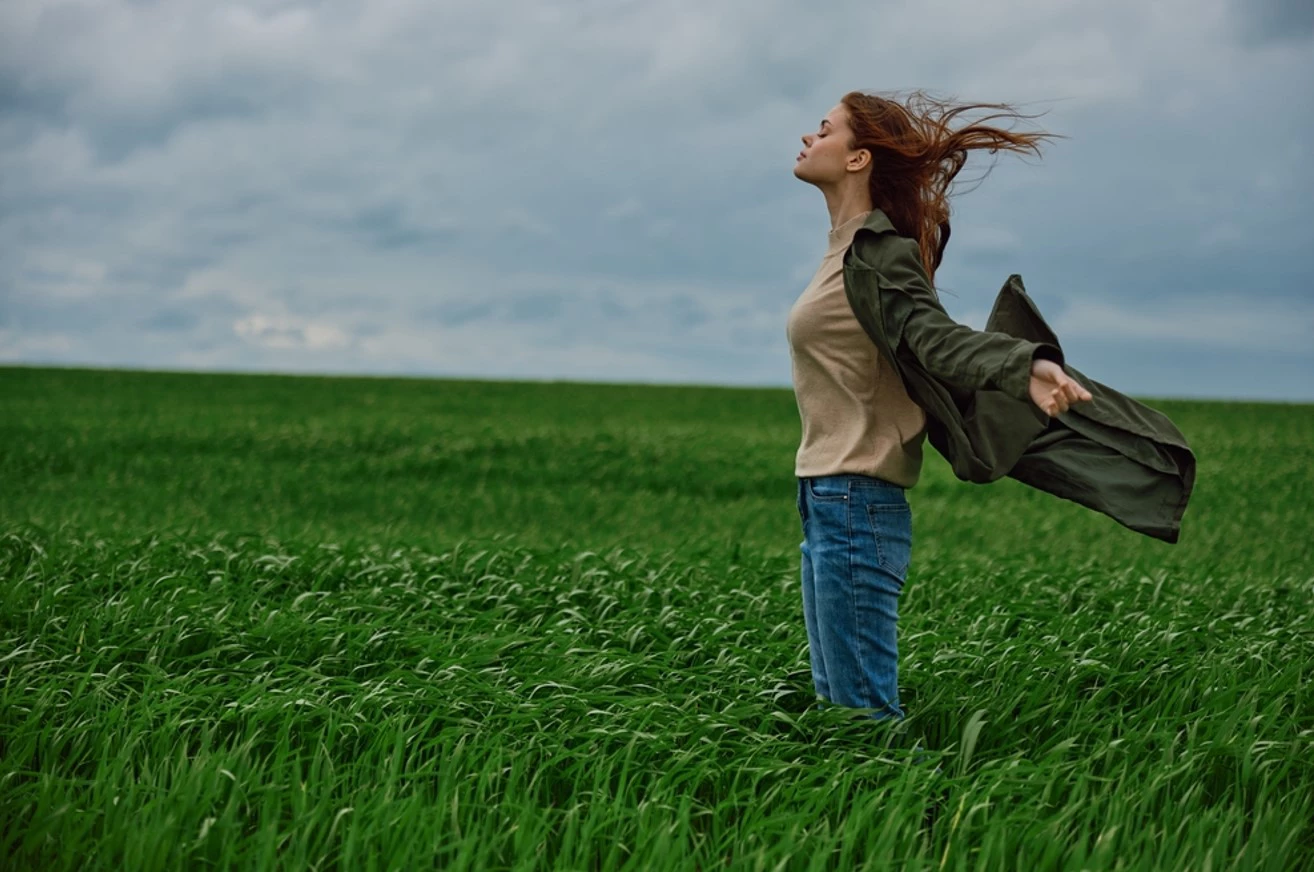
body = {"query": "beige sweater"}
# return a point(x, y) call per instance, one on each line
point(856, 415)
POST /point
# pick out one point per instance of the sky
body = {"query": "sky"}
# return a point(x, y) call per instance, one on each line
point(603, 191)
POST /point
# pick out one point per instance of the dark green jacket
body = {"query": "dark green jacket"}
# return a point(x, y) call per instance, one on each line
point(1112, 454)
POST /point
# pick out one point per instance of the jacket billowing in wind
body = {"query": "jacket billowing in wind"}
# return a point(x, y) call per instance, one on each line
point(1111, 453)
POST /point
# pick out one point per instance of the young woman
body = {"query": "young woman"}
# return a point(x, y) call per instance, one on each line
point(882, 164)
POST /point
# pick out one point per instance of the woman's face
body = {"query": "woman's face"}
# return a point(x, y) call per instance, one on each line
point(826, 157)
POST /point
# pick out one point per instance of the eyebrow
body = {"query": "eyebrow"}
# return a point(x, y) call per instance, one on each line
point(825, 121)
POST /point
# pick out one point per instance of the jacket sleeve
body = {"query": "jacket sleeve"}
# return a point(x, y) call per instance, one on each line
point(917, 324)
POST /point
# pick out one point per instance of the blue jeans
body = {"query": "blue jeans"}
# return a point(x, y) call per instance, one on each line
point(857, 544)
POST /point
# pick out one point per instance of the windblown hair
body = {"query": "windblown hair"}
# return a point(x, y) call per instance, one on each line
point(918, 144)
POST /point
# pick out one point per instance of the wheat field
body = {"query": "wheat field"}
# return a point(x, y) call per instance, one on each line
point(289, 622)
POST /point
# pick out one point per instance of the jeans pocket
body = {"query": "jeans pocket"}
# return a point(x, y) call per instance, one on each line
point(891, 524)
point(828, 488)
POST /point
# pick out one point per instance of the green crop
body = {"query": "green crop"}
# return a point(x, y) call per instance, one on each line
point(274, 622)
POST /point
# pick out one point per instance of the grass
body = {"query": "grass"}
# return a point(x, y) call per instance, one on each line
point(267, 622)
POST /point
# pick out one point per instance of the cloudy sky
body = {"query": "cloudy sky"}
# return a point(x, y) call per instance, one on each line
point(603, 191)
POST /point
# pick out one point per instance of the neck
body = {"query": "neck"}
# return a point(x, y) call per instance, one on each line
point(844, 202)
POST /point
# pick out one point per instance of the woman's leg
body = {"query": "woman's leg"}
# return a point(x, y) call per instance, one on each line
point(809, 606)
point(858, 532)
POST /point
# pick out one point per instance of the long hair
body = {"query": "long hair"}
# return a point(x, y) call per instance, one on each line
point(917, 151)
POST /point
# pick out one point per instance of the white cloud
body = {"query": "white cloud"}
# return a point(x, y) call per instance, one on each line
point(284, 332)
point(16, 347)
point(1239, 322)
point(627, 208)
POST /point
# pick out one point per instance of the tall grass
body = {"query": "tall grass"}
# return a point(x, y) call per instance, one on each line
point(273, 622)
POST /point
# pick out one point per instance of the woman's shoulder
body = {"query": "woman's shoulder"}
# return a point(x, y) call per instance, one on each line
point(873, 249)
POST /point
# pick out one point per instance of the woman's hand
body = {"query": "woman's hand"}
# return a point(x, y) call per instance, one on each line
point(1052, 390)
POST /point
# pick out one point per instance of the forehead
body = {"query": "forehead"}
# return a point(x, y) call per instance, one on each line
point(838, 116)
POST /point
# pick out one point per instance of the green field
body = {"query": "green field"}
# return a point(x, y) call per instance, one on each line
point(259, 622)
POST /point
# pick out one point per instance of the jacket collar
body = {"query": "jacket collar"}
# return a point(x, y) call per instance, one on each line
point(878, 222)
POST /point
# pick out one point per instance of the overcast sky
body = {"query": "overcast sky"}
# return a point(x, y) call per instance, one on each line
point(603, 191)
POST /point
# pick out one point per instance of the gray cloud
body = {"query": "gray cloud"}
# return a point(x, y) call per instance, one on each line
point(1265, 21)
point(534, 308)
point(604, 190)
point(169, 320)
point(456, 313)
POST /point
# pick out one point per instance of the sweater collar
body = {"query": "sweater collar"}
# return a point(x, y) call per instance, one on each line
point(876, 221)
point(839, 238)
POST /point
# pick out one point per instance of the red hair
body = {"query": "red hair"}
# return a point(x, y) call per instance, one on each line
point(916, 153)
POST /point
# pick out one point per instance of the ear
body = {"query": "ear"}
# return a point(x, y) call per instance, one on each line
point(859, 161)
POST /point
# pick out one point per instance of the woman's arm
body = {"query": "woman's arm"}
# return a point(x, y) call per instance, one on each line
point(953, 352)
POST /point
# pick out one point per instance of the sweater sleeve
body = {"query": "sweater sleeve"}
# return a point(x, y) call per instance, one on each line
point(917, 324)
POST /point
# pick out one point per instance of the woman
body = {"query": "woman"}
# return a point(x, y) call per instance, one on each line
point(881, 163)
